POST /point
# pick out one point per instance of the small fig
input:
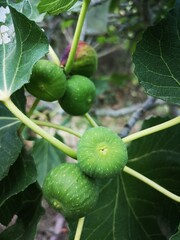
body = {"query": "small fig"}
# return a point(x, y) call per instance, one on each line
point(85, 62)
point(79, 95)
point(101, 153)
point(47, 81)
point(68, 190)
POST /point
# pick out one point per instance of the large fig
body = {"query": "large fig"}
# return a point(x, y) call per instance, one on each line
point(70, 191)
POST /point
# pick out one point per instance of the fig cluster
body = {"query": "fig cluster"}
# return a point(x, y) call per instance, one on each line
point(72, 189)
point(75, 92)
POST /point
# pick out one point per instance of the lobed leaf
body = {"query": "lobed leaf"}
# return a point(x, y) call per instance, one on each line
point(156, 58)
point(22, 43)
point(130, 209)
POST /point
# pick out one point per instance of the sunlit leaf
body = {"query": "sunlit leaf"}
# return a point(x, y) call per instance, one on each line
point(55, 6)
point(28, 8)
point(22, 43)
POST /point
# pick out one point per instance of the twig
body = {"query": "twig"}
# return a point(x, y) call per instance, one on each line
point(123, 111)
point(148, 104)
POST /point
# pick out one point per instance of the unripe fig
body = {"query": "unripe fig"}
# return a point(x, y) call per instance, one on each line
point(79, 95)
point(70, 191)
point(85, 62)
point(101, 153)
point(47, 81)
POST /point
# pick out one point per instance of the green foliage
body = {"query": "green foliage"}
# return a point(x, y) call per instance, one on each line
point(46, 157)
point(97, 19)
point(128, 208)
point(19, 53)
point(55, 7)
point(177, 235)
point(156, 58)
point(28, 8)
point(29, 210)
point(10, 143)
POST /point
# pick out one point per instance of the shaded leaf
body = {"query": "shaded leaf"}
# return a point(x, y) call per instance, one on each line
point(29, 211)
point(128, 208)
point(176, 236)
point(22, 43)
point(156, 58)
point(46, 157)
point(97, 19)
point(55, 6)
point(20, 176)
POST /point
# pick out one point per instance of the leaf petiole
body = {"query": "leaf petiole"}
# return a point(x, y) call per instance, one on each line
point(151, 130)
point(28, 122)
point(151, 183)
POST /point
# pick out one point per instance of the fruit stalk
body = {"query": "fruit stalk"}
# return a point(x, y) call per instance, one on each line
point(152, 184)
point(77, 34)
point(91, 120)
point(24, 119)
point(56, 126)
point(79, 228)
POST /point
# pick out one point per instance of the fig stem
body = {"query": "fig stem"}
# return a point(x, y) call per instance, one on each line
point(152, 184)
point(79, 228)
point(54, 56)
point(34, 105)
point(76, 37)
point(91, 120)
point(151, 130)
point(56, 126)
point(28, 122)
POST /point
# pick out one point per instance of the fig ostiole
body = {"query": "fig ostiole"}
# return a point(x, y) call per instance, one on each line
point(69, 191)
point(101, 153)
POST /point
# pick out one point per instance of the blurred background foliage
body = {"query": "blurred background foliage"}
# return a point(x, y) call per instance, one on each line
point(113, 28)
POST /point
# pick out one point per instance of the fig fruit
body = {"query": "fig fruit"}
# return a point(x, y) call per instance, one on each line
point(69, 191)
point(101, 153)
point(79, 95)
point(47, 81)
point(85, 62)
